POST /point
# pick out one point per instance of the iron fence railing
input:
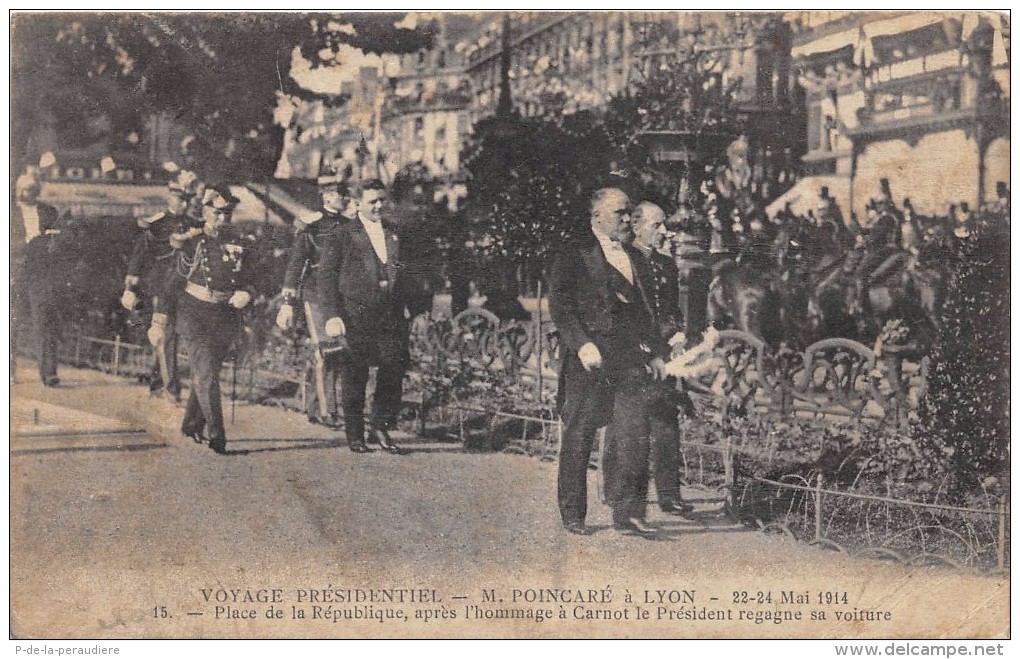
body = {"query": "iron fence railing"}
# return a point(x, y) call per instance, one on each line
point(832, 378)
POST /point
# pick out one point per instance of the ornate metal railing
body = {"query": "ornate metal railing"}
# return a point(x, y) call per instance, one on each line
point(833, 377)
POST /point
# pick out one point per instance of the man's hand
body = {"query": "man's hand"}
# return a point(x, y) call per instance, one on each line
point(590, 356)
point(240, 299)
point(335, 327)
point(657, 368)
point(155, 332)
point(128, 300)
point(285, 317)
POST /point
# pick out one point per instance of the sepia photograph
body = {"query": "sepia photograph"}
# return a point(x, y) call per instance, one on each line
point(561, 324)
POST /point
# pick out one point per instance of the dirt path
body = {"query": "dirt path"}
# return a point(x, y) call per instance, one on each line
point(105, 533)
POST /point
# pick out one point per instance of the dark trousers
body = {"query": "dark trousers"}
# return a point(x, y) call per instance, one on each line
point(694, 300)
point(386, 400)
point(207, 330)
point(665, 433)
point(628, 443)
point(587, 398)
point(46, 323)
point(168, 348)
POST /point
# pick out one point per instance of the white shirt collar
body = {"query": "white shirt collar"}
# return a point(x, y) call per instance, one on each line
point(376, 235)
point(605, 240)
point(616, 255)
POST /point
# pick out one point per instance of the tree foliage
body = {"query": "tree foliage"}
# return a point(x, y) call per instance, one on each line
point(215, 74)
point(531, 178)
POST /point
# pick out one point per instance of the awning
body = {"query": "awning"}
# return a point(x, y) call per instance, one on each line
point(860, 36)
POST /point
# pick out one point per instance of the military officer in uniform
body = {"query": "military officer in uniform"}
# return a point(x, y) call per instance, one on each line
point(211, 285)
point(300, 283)
point(152, 258)
point(364, 295)
point(651, 239)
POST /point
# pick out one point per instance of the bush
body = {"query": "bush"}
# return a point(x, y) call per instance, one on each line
point(966, 405)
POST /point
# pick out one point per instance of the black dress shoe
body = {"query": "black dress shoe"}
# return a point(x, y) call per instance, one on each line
point(360, 448)
point(577, 528)
point(51, 382)
point(386, 443)
point(678, 509)
point(638, 527)
point(219, 446)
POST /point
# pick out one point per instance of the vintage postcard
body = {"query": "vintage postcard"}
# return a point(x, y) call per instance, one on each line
point(511, 325)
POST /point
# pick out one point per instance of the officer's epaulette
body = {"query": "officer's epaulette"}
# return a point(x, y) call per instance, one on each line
point(302, 223)
point(146, 222)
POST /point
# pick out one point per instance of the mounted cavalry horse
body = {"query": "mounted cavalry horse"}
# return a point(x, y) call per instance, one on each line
point(890, 273)
point(808, 284)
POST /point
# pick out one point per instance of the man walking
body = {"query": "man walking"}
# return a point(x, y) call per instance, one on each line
point(363, 293)
point(613, 358)
point(301, 282)
point(152, 258)
point(210, 288)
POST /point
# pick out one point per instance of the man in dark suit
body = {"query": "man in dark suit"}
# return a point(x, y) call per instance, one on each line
point(27, 217)
point(30, 283)
point(44, 278)
point(613, 361)
point(363, 293)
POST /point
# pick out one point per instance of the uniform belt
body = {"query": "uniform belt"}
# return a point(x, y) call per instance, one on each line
point(206, 294)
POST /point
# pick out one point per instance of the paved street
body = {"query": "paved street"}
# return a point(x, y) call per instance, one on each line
point(110, 522)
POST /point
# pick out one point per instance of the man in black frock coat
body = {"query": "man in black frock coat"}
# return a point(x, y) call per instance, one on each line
point(364, 295)
point(613, 364)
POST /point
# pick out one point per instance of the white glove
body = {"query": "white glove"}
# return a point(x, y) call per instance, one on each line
point(131, 281)
point(155, 334)
point(288, 293)
point(285, 317)
point(240, 299)
point(128, 300)
point(590, 356)
point(657, 368)
point(335, 327)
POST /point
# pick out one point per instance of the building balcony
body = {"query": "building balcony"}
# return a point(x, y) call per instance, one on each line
point(443, 101)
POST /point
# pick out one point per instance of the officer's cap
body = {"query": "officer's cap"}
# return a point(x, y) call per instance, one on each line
point(331, 176)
